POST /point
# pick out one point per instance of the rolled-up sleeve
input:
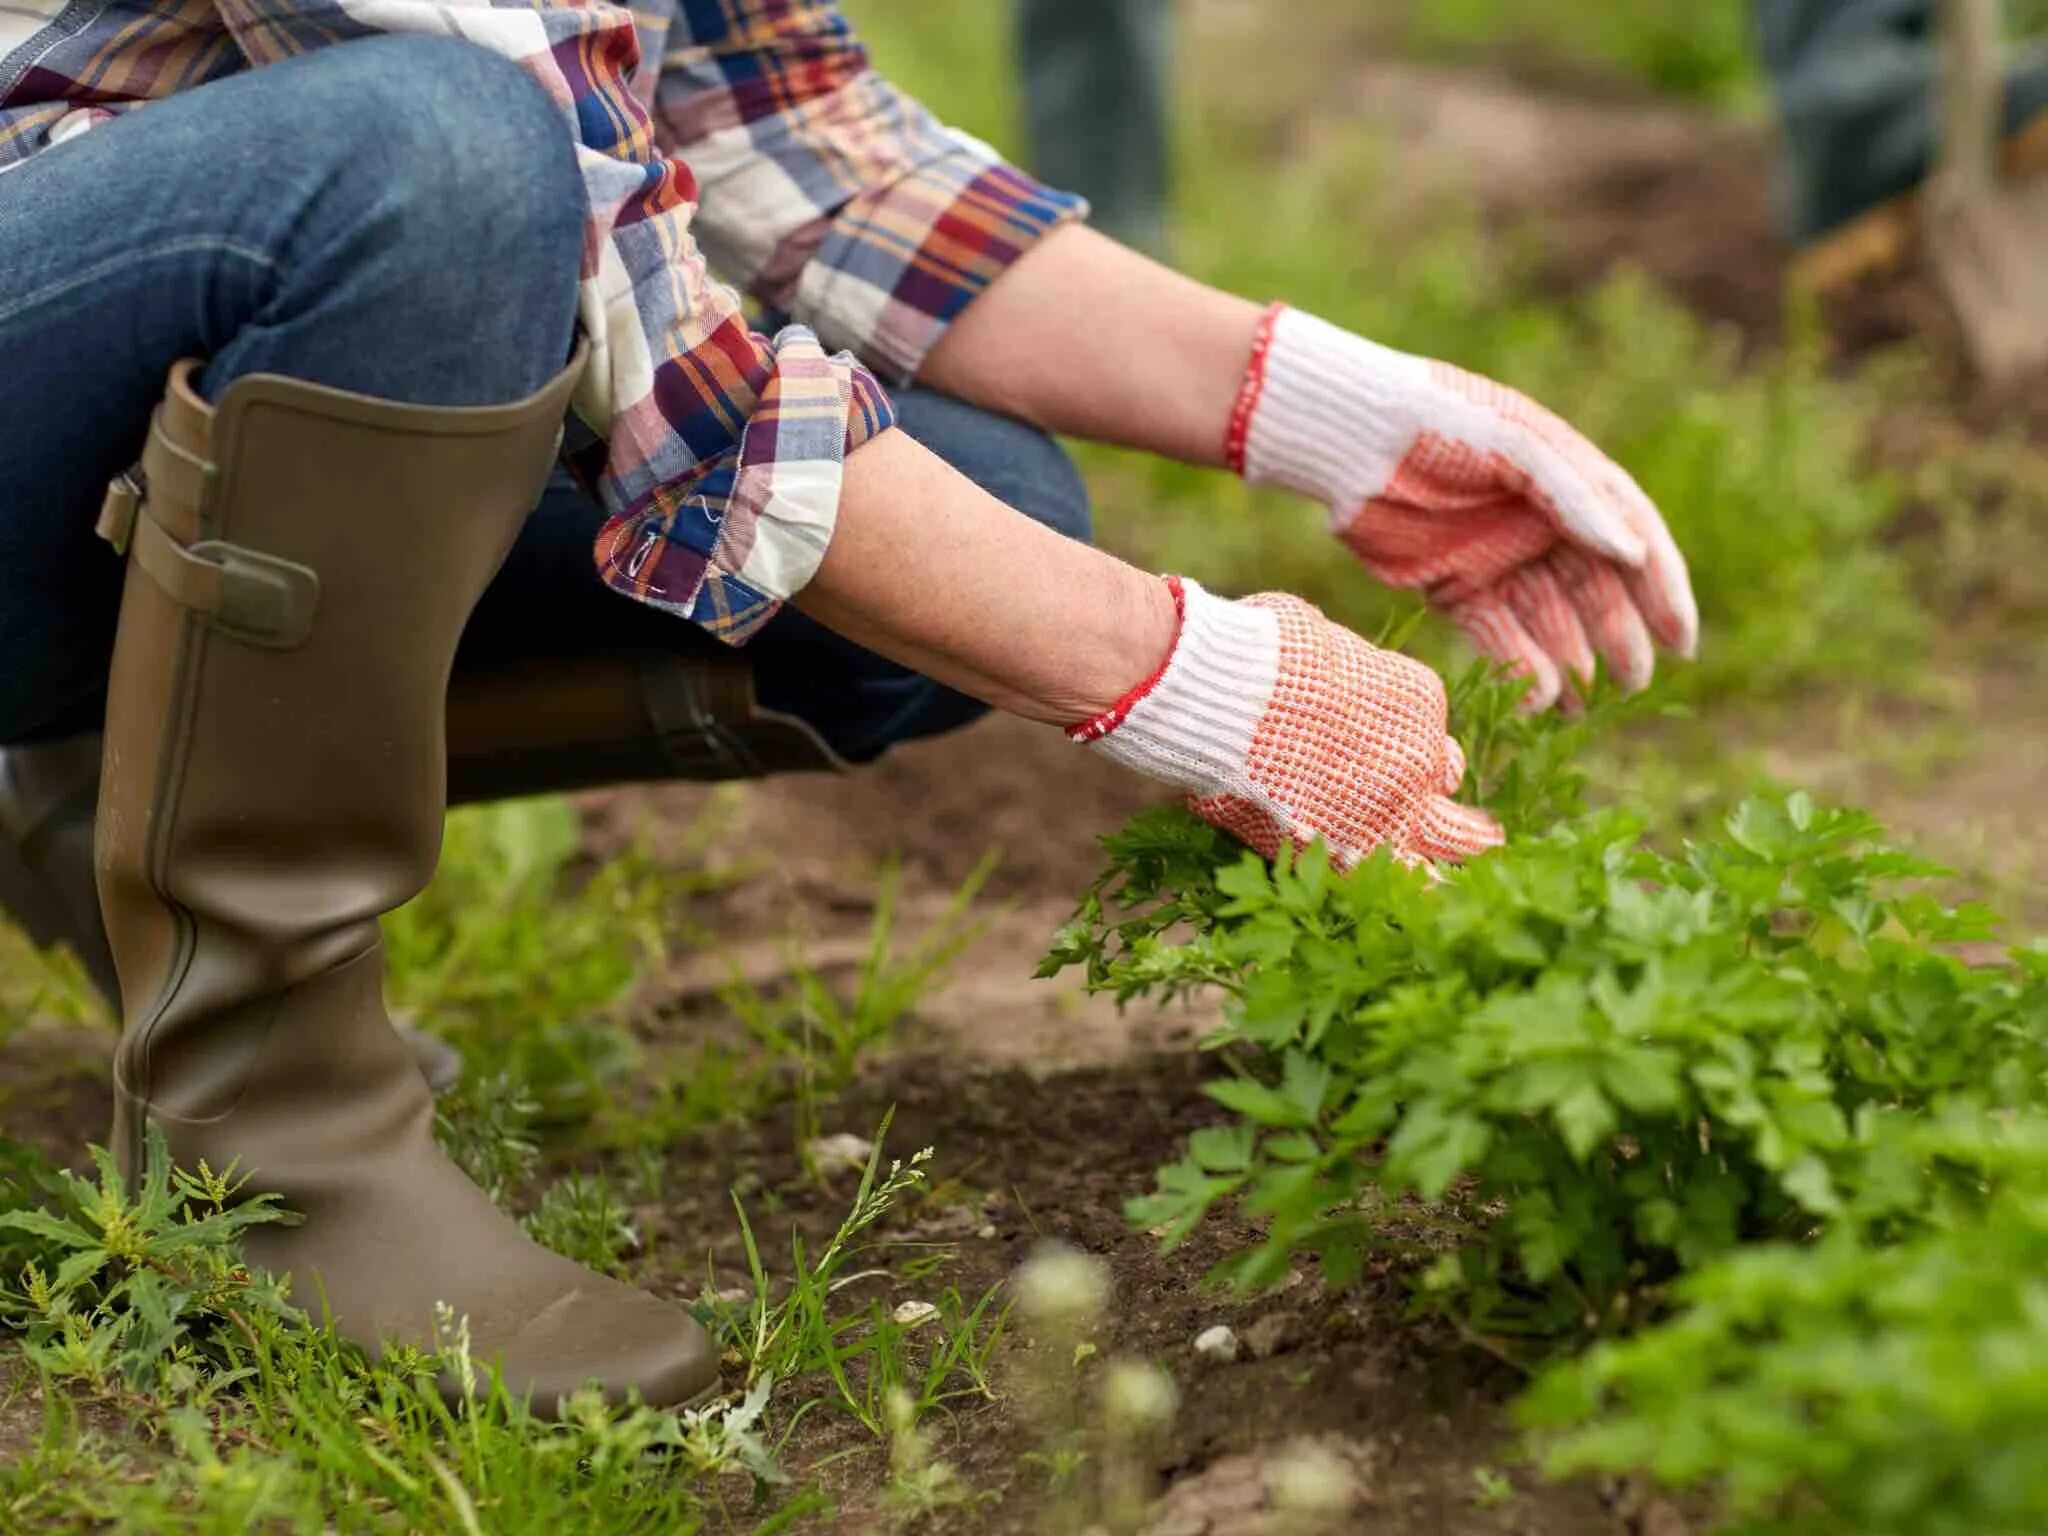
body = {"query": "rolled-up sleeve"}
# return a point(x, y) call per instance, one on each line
point(720, 450)
point(829, 194)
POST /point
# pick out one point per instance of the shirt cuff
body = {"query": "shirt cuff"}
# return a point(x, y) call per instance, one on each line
point(899, 264)
point(727, 546)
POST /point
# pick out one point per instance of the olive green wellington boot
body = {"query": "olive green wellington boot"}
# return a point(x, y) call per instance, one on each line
point(49, 800)
point(542, 726)
point(301, 564)
point(49, 795)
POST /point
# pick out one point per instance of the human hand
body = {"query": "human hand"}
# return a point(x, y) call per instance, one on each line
point(1541, 548)
point(1284, 727)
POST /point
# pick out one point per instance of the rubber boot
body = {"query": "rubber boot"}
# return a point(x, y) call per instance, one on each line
point(586, 722)
point(544, 727)
point(49, 795)
point(49, 799)
point(301, 565)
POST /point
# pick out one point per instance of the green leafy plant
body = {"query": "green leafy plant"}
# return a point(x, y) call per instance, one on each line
point(133, 1288)
point(1739, 1115)
point(1846, 1387)
point(522, 964)
point(1600, 1065)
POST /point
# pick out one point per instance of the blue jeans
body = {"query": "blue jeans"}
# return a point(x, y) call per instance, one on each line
point(1856, 87)
point(400, 217)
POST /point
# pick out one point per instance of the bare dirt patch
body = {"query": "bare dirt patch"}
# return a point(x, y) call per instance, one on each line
point(817, 842)
point(1618, 179)
point(1030, 1156)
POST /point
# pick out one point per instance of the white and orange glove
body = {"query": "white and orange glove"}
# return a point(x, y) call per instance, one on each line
point(1284, 727)
point(1531, 540)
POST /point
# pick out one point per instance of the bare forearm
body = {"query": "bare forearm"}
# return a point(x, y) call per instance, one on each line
point(931, 571)
point(1086, 337)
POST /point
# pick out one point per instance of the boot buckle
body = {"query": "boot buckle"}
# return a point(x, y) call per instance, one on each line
point(247, 595)
point(118, 510)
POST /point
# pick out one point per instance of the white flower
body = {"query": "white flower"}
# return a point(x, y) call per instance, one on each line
point(1060, 1287)
point(1138, 1398)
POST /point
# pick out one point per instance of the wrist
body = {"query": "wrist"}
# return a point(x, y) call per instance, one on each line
point(1190, 722)
point(1322, 412)
point(1142, 629)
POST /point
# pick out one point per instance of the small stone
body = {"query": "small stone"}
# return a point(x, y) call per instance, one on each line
point(842, 1152)
point(910, 1313)
point(986, 1231)
point(1273, 1334)
point(1217, 1344)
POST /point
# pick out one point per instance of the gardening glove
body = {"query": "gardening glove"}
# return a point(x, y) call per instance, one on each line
point(1284, 728)
point(1537, 545)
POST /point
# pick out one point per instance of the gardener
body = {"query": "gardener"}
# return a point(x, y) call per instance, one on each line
point(378, 272)
point(1856, 83)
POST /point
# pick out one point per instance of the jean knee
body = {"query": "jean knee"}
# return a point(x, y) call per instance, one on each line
point(1011, 460)
point(1057, 495)
point(459, 156)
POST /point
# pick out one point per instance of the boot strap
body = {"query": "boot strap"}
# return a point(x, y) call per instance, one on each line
point(713, 728)
point(246, 595)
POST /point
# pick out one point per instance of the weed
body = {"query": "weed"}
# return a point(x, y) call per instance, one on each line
point(139, 1303)
point(1099, 1429)
point(920, 1483)
point(486, 1124)
point(824, 1036)
point(122, 1289)
point(1491, 1488)
point(579, 1216)
point(521, 965)
point(783, 1338)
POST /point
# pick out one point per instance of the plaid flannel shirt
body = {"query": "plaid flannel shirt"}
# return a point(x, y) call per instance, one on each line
point(761, 137)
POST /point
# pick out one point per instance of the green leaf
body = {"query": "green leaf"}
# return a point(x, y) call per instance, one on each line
point(1644, 1080)
point(1809, 1182)
point(50, 1228)
point(1222, 1148)
point(1182, 1199)
point(1306, 1084)
point(1432, 1148)
point(1257, 1102)
point(1585, 1119)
